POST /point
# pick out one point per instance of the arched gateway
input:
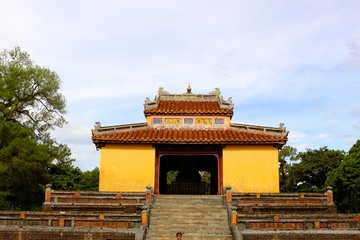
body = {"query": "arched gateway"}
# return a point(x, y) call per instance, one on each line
point(189, 146)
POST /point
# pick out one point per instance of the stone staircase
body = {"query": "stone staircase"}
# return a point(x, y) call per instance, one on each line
point(196, 216)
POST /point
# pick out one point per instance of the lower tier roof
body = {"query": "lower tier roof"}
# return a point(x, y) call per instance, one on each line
point(236, 134)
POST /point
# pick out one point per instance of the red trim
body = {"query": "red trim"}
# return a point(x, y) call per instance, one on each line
point(157, 172)
point(220, 174)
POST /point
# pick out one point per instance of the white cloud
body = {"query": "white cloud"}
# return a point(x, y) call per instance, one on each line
point(280, 59)
point(296, 136)
point(324, 136)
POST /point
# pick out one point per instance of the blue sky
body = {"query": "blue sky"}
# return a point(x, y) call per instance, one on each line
point(296, 62)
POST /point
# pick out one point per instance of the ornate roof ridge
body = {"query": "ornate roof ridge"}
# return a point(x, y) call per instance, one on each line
point(188, 96)
point(281, 130)
point(99, 129)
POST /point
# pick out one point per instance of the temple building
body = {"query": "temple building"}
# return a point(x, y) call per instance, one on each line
point(188, 145)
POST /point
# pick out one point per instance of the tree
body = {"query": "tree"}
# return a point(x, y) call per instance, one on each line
point(30, 94)
point(63, 175)
point(310, 174)
point(286, 154)
point(345, 181)
point(22, 162)
point(30, 105)
point(90, 180)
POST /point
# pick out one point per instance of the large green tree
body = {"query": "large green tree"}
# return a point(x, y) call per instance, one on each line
point(310, 174)
point(30, 105)
point(345, 181)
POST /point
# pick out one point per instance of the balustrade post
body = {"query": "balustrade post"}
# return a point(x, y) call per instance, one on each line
point(228, 194)
point(148, 197)
point(144, 218)
point(48, 193)
point(329, 194)
point(234, 218)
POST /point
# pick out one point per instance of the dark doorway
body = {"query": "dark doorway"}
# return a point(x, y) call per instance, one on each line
point(189, 174)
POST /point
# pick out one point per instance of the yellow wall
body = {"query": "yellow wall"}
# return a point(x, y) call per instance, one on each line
point(127, 167)
point(251, 169)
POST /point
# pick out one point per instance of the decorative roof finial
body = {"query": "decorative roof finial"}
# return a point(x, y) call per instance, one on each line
point(188, 89)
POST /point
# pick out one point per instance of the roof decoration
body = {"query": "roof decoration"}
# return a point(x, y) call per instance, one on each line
point(188, 103)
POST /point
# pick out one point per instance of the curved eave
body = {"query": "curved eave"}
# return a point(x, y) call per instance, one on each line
point(100, 143)
point(188, 136)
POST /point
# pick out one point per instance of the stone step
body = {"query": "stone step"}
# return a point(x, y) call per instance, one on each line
point(199, 217)
point(178, 213)
point(187, 205)
point(187, 220)
point(193, 230)
point(190, 237)
point(188, 232)
point(190, 224)
point(172, 236)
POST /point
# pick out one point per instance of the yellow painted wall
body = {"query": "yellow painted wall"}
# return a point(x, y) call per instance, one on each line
point(126, 167)
point(251, 169)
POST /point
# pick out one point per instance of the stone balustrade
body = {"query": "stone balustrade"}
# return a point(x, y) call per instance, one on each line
point(290, 216)
point(80, 215)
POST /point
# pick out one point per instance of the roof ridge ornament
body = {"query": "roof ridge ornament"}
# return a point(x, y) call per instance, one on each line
point(188, 90)
point(282, 127)
point(97, 125)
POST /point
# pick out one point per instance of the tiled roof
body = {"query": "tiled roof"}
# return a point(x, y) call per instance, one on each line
point(189, 103)
point(176, 107)
point(236, 134)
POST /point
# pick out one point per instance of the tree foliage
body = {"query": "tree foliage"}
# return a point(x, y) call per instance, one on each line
point(30, 94)
point(310, 173)
point(286, 155)
point(345, 181)
point(69, 177)
point(22, 161)
point(30, 105)
point(319, 168)
point(90, 180)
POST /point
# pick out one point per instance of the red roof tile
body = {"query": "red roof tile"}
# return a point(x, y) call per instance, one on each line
point(187, 107)
point(187, 136)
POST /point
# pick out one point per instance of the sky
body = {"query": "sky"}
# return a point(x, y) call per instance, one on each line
point(294, 62)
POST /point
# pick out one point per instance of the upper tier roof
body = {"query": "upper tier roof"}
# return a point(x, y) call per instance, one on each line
point(188, 103)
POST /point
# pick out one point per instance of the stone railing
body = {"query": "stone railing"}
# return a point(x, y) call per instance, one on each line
point(145, 215)
point(85, 215)
point(232, 215)
point(315, 203)
point(96, 202)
